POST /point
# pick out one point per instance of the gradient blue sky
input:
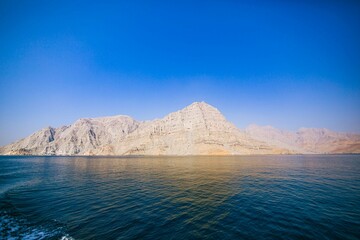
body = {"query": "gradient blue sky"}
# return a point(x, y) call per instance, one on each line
point(277, 63)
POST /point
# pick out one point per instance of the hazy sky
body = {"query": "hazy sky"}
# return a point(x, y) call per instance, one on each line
point(277, 63)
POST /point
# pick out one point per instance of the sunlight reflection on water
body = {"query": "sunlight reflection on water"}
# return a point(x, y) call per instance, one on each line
point(280, 197)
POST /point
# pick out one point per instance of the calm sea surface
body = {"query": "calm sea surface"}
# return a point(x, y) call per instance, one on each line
point(249, 197)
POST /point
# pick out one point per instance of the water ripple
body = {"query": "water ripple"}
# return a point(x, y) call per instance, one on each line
point(253, 197)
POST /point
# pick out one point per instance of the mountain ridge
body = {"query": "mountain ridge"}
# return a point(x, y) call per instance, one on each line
point(198, 129)
point(308, 140)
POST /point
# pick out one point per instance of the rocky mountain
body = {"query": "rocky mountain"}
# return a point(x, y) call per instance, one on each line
point(199, 129)
point(307, 140)
point(84, 137)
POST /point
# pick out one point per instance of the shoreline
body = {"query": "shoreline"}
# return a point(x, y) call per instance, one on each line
point(181, 156)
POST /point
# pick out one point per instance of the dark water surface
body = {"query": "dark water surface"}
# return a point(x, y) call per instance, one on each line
point(248, 197)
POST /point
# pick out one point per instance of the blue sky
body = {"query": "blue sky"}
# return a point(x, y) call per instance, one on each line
point(277, 63)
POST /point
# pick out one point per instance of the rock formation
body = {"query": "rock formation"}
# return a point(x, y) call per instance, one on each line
point(198, 129)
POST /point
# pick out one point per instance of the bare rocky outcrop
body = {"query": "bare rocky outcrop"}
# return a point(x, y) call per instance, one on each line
point(199, 129)
point(85, 137)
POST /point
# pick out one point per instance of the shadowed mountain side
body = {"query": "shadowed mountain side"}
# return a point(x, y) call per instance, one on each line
point(198, 129)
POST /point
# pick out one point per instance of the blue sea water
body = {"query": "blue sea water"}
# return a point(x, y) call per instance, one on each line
point(242, 197)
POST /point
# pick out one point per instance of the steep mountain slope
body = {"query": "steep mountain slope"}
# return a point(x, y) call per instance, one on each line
point(198, 129)
point(195, 130)
point(84, 137)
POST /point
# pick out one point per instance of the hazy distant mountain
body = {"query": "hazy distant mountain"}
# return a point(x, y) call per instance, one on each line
point(198, 129)
point(307, 140)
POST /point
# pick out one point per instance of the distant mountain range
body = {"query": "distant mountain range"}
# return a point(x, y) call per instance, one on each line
point(198, 129)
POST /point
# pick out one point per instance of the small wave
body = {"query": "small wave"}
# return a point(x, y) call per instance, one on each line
point(14, 228)
point(17, 184)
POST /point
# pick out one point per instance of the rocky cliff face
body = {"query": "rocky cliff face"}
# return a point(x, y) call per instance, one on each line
point(84, 137)
point(198, 129)
point(307, 140)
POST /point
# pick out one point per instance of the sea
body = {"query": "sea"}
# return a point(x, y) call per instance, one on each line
point(235, 197)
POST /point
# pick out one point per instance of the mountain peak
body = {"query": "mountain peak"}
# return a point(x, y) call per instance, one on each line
point(202, 110)
point(201, 104)
point(197, 129)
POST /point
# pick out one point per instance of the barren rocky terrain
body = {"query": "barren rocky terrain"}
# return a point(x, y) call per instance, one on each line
point(198, 129)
